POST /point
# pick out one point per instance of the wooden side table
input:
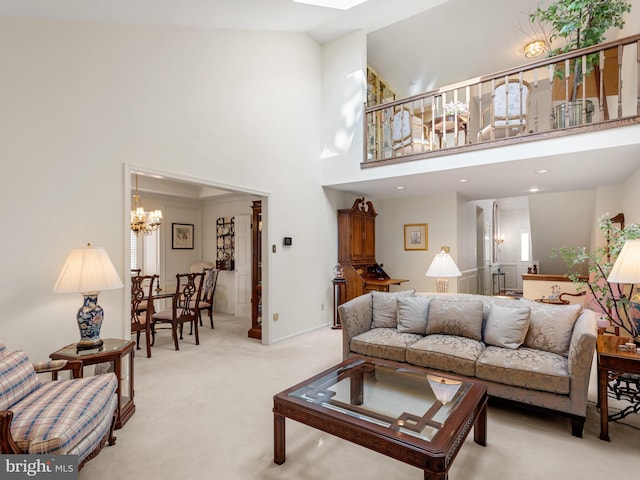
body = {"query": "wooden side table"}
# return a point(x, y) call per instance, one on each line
point(112, 351)
point(339, 295)
point(612, 362)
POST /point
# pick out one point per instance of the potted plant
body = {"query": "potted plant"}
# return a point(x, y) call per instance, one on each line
point(580, 24)
point(607, 298)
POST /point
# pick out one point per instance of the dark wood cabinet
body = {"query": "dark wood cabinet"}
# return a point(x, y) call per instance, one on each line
point(256, 271)
point(357, 251)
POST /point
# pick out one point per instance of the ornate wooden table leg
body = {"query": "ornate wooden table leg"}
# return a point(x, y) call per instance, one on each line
point(278, 439)
point(480, 426)
point(603, 377)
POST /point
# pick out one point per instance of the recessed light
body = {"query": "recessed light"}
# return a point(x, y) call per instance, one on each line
point(338, 4)
point(399, 187)
point(542, 170)
point(463, 180)
point(534, 189)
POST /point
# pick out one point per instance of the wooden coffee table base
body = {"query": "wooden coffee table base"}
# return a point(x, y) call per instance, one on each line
point(435, 462)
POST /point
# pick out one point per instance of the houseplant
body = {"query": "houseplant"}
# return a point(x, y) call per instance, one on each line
point(578, 24)
point(608, 298)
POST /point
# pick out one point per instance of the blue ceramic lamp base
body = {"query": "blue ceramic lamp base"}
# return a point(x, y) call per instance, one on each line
point(90, 317)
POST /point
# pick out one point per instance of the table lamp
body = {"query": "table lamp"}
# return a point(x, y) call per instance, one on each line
point(88, 271)
point(626, 270)
point(442, 267)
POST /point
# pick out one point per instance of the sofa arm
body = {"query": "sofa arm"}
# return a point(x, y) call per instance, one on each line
point(581, 351)
point(355, 317)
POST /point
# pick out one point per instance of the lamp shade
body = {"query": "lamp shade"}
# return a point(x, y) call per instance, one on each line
point(626, 268)
point(87, 270)
point(444, 389)
point(443, 266)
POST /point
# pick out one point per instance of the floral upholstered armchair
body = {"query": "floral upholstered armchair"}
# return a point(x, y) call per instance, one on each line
point(74, 416)
point(508, 113)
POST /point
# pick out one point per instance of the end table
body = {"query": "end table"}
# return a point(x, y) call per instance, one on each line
point(113, 351)
point(612, 362)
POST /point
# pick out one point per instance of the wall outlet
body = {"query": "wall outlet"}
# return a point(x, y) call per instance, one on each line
point(276, 316)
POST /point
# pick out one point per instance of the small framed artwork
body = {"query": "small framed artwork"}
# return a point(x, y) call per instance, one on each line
point(416, 236)
point(182, 236)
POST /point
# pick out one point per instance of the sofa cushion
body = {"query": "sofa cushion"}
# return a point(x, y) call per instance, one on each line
point(385, 308)
point(62, 413)
point(461, 318)
point(412, 314)
point(551, 326)
point(385, 343)
point(525, 367)
point(507, 326)
point(17, 378)
point(448, 353)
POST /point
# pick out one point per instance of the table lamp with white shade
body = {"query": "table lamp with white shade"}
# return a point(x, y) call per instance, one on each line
point(442, 268)
point(88, 271)
point(626, 270)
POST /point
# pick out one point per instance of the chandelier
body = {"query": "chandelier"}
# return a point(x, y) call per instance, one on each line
point(141, 221)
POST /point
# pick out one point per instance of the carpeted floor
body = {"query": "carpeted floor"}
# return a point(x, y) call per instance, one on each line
point(204, 412)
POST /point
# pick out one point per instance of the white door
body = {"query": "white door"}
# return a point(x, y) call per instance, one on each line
point(243, 265)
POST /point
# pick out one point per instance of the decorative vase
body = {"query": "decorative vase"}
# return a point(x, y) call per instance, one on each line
point(90, 317)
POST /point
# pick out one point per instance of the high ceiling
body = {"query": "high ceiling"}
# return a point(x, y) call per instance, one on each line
point(415, 45)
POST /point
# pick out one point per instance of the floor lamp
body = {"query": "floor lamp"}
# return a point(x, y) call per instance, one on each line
point(442, 268)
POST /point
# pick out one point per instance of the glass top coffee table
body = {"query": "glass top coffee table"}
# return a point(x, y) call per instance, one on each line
point(388, 407)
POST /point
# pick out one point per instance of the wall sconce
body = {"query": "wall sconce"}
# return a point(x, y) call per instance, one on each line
point(534, 49)
point(499, 240)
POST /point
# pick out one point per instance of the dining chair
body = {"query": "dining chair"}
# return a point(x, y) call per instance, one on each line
point(185, 307)
point(136, 271)
point(208, 291)
point(508, 110)
point(141, 314)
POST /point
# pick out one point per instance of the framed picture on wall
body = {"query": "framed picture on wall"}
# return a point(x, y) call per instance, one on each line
point(416, 236)
point(182, 236)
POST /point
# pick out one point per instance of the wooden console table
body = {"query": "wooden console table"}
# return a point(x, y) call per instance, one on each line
point(612, 362)
point(112, 351)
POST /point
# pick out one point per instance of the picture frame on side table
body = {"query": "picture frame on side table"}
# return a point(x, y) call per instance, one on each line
point(182, 236)
point(416, 236)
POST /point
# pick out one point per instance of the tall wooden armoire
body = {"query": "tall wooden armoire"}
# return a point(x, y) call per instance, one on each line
point(357, 251)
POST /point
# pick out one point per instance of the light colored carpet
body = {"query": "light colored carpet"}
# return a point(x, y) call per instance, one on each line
point(205, 412)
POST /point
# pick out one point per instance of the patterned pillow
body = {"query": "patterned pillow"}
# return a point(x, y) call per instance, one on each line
point(460, 318)
point(385, 308)
point(412, 314)
point(507, 326)
point(17, 378)
point(551, 326)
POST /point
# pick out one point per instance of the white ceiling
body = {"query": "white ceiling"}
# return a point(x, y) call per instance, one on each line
point(416, 45)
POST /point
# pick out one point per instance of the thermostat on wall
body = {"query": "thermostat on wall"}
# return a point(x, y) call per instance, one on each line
point(287, 241)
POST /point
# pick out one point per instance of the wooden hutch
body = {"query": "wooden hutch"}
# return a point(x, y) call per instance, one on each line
point(256, 271)
point(357, 251)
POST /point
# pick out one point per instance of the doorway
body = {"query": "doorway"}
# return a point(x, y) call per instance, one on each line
point(193, 200)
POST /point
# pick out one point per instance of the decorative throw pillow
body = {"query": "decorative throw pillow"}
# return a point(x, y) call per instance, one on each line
point(461, 318)
point(385, 308)
point(551, 326)
point(507, 326)
point(18, 378)
point(412, 314)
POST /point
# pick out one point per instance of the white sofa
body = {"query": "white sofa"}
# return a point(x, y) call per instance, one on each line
point(524, 351)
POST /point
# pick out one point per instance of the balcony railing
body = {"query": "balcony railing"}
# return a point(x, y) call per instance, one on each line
point(534, 101)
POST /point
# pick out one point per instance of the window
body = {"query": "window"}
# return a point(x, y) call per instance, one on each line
point(524, 247)
point(134, 250)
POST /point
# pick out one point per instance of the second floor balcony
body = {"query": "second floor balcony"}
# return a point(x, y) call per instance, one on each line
point(589, 89)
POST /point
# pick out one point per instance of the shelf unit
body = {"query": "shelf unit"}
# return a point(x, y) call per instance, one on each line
point(225, 232)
